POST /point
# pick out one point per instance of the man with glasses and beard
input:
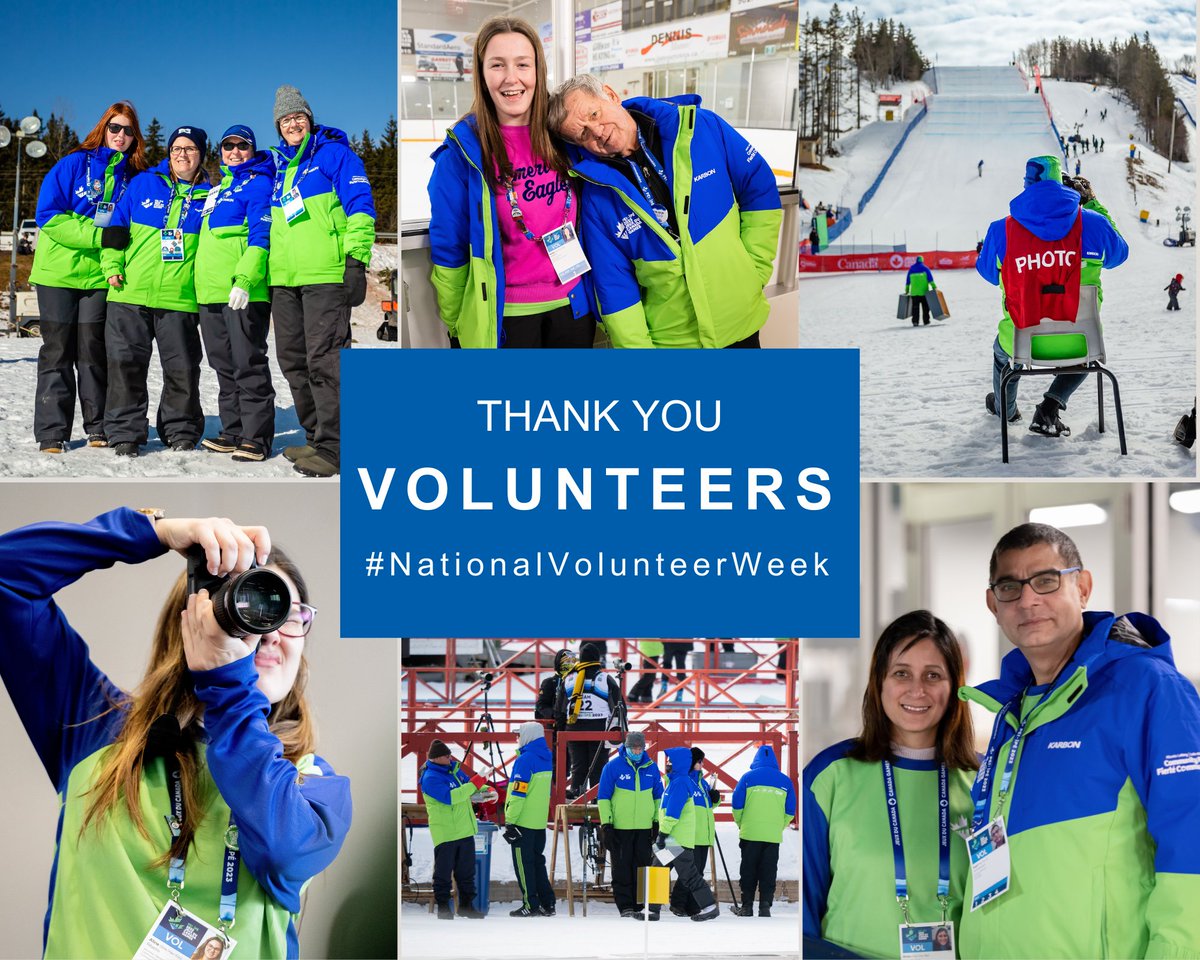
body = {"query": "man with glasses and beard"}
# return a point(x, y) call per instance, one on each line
point(1100, 793)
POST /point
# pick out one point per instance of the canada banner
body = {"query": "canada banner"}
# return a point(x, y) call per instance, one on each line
point(875, 262)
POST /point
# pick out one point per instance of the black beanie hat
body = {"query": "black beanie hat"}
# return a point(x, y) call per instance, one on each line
point(438, 749)
point(589, 652)
point(697, 755)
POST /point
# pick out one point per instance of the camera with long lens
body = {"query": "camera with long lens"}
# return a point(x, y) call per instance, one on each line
point(255, 602)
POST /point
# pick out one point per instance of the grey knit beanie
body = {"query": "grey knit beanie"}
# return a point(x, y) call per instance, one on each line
point(289, 100)
point(529, 732)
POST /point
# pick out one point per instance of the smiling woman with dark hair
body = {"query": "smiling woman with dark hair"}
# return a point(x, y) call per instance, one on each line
point(914, 756)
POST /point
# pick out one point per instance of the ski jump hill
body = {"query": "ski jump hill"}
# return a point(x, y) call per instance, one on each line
point(932, 196)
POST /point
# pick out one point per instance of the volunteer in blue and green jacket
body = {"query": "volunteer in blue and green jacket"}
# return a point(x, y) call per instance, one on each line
point(447, 787)
point(256, 814)
point(629, 796)
point(764, 802)
point(1101, 803)
point(148, 258)
point(677, 824)
point(705, 800)
point(526, 813)
point(74, 204)
point(235, 304)
point(322, 232)
point(498, 194)
point(680, 217)
point(865, 878)
point(917, 282)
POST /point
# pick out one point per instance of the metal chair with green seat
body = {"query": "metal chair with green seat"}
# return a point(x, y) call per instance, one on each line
point(1052, 347)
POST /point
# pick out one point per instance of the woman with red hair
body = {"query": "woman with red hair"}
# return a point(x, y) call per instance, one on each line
point(75, 203)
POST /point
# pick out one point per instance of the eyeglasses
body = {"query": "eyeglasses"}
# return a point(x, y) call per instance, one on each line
point(300, 621)
point(235, 145)
point(184, 151)
point(293, 120)
point(1043, 582)
point(115, 128)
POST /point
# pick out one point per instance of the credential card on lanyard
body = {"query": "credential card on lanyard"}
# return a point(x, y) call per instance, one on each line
point(293, 204)
point(103, 215)
point(210, 202)
point(991, 867)
point(927, 939)
point(177, 934)
point(566, 253)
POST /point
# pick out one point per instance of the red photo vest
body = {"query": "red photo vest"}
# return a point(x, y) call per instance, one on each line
point(1041, 277)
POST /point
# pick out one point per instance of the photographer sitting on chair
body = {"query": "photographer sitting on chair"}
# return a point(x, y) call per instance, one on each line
point(1056, 240)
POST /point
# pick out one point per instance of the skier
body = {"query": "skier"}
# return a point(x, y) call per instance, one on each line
point(1046, 217)
point(586, 701)
point(980, 168)
point(918, 281)
point(1173, 289)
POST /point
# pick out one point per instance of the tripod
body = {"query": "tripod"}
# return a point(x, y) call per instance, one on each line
point(486, 725)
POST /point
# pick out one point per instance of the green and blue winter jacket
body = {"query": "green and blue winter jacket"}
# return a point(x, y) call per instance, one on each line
point(464, 241)
point(706, 821)
point(629, 794)
point(153, 203)
point(677, 815)
point(292, 818)
point(764, 800)
point(706, 288)
point(1048, 209)
point(528, 801)
point(849, 883)
point(68, 249)
point(447, 791)
point(1103, 811)
point(339, 211)
point(235, 236)
point(918, 281)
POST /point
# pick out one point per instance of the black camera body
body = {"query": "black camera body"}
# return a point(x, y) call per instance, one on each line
point(252, 603)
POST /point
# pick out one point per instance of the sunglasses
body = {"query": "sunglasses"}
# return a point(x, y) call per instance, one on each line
point(235, 145)
point(115, 128)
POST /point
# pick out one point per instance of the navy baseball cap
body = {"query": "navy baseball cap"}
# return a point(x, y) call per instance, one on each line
point(243, 131)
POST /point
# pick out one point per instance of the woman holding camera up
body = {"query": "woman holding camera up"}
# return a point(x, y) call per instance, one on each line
point(322, 232)
point(198, 794)
point(148, 256)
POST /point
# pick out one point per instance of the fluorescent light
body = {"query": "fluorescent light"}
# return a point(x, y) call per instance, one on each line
point(1070, 515)
point(1185, 501)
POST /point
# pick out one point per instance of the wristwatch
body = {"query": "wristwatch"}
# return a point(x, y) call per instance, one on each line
point(154, 513)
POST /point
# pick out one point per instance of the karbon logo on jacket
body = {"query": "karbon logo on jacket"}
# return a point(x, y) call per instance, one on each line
point(1064, 745)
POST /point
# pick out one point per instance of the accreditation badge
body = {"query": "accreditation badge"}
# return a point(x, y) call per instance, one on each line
point(178, 934)
point(566, 253)
point(991, 867)
point(210, 202)
point(293, 204)
point(172, 245)
point(926, 939)
point(103, 215)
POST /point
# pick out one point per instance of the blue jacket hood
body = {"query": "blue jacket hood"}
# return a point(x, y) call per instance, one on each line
point(764, 758)
point(1106, 639)
point(1046, 208)
point(262, 163)
point(464, 134)
point(536, 748)
point(681, 761)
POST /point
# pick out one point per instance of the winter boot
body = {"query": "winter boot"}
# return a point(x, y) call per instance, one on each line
point(764, 909)
point(127, 450)
point(679, 913)
point(52, 446)
point(632, 914)
point(710, 914)
point(299, 452)
point(1046, 422)
point(96, 440)
point(654, 912)
point(315, 466)
point(739, 911)
point(444, 912)
point(221, 443)
point(662, 689)
point(470, 912)
point(544, 911)
point(990, 402)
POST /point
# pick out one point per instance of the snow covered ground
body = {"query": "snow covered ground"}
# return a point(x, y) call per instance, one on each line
point(922, 389)
point(601, 935)
point(19, 455)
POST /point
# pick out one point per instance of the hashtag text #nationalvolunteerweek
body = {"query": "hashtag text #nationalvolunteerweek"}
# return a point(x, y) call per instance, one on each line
point(747, 563)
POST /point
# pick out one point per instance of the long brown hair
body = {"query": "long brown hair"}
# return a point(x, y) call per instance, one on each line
point(955, 735)
point(135, 156)
point(488, 125)
point(166, 691)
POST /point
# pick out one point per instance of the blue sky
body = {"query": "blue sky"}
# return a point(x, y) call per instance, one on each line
point(212, 65)
point(985, 32)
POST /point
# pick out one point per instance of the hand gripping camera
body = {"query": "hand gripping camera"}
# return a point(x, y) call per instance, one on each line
point(255, 602)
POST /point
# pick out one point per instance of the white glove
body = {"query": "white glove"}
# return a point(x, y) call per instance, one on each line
point(238, 298)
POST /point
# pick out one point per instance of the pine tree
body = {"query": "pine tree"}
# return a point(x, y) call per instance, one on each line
point(155, 150)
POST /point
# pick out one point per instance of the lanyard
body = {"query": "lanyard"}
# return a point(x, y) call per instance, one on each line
point(893, 805)
point(660, 212)
point(281, 172)
point(184, 210)
point(981, 788)
point(230, 864)
point(511, 193)
point(110, 182)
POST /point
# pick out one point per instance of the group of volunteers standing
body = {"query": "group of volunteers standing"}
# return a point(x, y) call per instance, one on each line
point(1072, 836)
point(131, 257)
point(550, 213)
point(637, 816)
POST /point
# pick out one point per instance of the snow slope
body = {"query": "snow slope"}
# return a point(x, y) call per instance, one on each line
point(19, 455)
point(922, 390)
